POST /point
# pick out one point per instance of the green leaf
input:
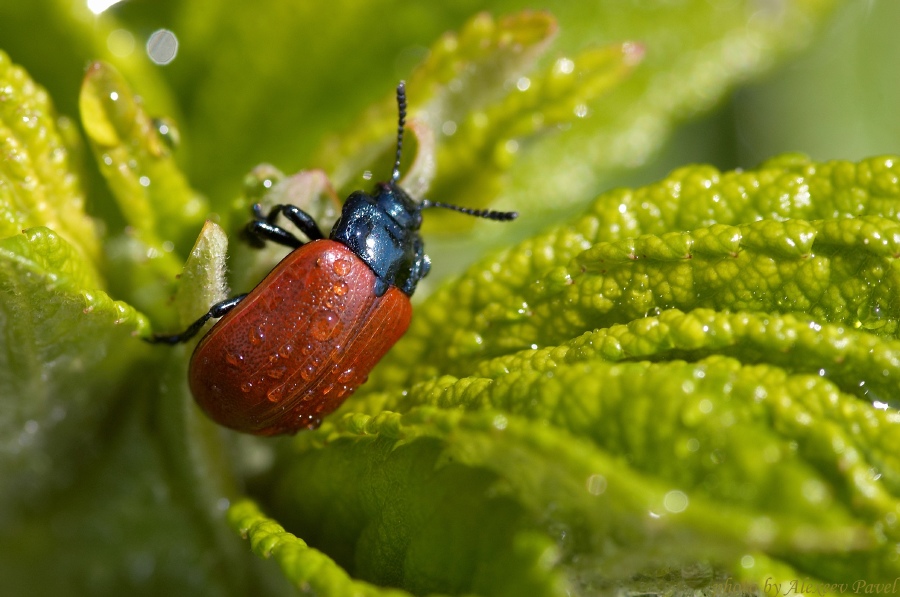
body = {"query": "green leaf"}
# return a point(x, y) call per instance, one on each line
point(37, 187)
point(716, 395)
point(159, 206)
point(309, 570)
point(202, 283)
point(68, 347)
point(77, 452)
point(579, 275)
point(136, 160)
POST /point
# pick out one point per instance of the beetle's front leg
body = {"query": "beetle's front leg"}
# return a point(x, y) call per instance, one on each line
point(216, 311)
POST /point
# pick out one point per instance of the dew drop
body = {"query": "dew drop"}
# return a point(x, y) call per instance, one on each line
point(324, 325)
point(308, 372)
point(327, 389)
point(260, 180)
point(285, 351)
point(274, 395)
point(276, 372)
point(872, 317)
point(235, 360)
point(341, 267)
point(168, 132)
point(346, 375)
point(308, 349)
point(257, 334)
point(340, 288)
point(246, 386)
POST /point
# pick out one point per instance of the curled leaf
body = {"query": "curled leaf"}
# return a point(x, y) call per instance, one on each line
point(136, 160)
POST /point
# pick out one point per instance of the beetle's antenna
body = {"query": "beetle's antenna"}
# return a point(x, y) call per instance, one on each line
point(488, 214)
point(401, 122)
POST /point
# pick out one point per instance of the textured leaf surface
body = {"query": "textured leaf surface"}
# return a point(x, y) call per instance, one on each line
point(688, 387)
point(749, 240)
point(76, 453)
point(37, 186)
point(66, 344)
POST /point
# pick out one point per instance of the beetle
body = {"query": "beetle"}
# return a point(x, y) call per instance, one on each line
point(289, 352)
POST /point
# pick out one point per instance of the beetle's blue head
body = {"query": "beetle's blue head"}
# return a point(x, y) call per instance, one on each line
point(383, 230)
point(396, 203)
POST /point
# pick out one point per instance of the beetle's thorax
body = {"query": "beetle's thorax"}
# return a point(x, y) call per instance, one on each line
point(383, 230)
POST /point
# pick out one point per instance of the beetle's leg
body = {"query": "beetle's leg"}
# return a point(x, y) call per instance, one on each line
point(216, 311)
point(263, 227)
point(300, 219)
point(257, 232)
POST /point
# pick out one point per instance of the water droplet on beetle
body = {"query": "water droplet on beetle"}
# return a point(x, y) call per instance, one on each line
point(246, 386)
point(276, 372)
point(324, 325)
point(308, 372)
point(340, 288)
point(257, 335)
point(346, 375)
point(285, 351)
point(235, 360)
point(341, 267)
point(275, 394)
point(333, 302)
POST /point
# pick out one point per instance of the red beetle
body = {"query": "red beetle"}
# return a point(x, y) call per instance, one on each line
point(289, 352)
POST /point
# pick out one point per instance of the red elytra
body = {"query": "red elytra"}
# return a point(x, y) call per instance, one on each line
point(302, 341)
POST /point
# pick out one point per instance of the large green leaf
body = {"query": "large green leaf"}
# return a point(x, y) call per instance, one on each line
point(67, 345)
point(754, 430)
